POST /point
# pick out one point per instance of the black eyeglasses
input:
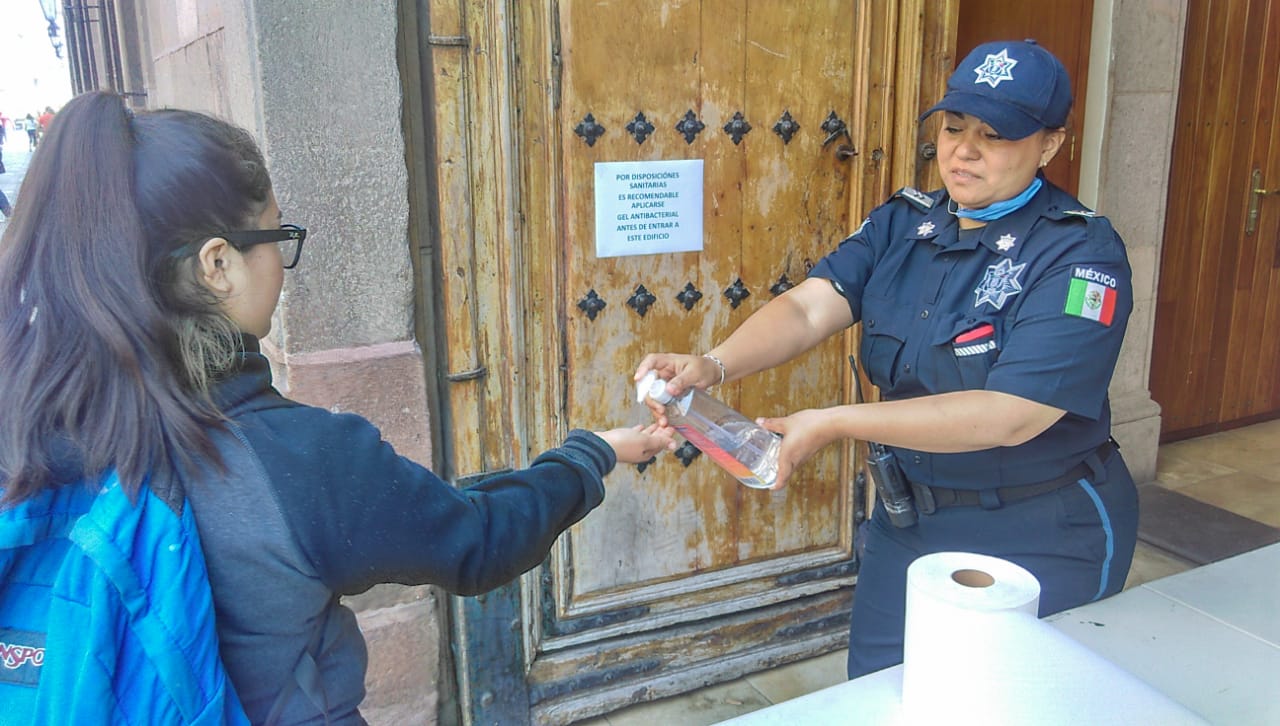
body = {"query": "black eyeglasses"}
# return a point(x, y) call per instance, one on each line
point(289, 236)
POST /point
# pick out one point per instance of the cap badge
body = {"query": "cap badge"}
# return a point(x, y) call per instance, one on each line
point(925, 229)
point(1005, 243)
point(996, 68)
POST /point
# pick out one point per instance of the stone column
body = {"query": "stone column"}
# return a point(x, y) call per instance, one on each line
point(1143, 54)
point(344, 333)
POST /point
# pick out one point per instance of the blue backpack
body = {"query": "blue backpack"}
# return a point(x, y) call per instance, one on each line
point(106, 615)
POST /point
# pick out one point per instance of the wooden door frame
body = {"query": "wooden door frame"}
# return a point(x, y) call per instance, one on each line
point(464, 222)
point(493, 117)
point(933, 30)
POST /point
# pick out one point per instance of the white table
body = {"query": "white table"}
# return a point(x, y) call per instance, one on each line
point(1208, 639)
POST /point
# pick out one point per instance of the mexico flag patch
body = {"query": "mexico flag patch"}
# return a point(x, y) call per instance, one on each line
point(1092, 295)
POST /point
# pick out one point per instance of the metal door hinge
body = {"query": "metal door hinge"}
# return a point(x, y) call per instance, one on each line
point(468, 375)
point(449, 40)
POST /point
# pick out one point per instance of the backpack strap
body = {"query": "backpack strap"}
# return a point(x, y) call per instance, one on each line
point(172, 667)
point(94, 535)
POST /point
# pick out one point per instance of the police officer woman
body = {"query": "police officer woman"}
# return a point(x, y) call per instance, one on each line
point(992, 315)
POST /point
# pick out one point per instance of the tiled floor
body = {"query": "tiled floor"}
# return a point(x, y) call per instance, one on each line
point(1237, 470)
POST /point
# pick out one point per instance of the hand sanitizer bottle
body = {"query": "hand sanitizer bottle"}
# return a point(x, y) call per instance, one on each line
point(742, 447)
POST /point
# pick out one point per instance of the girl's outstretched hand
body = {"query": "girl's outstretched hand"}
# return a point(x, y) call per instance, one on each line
point(639, 443)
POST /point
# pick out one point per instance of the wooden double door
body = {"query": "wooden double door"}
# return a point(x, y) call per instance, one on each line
point(1216, 351)
point(683, 577)
point(803, 116)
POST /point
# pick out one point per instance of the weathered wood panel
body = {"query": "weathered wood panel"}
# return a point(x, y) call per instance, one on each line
point(449, 63)
point(771, 209)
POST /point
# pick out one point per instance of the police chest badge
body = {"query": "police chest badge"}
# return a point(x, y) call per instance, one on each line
point(999, 284)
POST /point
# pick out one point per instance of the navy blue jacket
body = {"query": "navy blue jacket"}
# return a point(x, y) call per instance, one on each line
point(315, 505)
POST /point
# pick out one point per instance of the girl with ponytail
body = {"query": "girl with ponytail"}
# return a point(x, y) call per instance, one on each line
point(136, 278)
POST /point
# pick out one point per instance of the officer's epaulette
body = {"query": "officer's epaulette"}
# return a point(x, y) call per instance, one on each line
point(918, 199)
point(1072, 213)
point(1100, 230)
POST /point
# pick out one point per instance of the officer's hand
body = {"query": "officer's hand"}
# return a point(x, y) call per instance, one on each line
point(803, 434)
point(681, 372)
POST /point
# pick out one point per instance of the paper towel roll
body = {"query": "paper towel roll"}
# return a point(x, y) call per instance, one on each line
point(958, 652)
point(974, 652)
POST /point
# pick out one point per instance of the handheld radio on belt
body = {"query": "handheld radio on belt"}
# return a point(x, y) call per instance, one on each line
point(886, 475)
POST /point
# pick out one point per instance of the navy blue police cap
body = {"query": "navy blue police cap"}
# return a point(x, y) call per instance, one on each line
point(1016, 87)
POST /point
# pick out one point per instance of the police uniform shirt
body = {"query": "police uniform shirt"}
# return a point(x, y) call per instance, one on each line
point(1033, 304)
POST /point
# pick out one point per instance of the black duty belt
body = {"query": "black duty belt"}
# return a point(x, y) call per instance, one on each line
point(930, 498)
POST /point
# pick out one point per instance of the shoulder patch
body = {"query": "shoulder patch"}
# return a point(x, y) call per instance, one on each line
point(916, 197)
point(1092, 295)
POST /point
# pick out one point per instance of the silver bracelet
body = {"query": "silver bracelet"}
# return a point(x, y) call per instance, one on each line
point(718, 362)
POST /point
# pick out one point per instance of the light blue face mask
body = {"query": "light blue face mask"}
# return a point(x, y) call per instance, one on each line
point(1001, 209)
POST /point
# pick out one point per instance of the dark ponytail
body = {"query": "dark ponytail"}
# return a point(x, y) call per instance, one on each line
point(95, 369)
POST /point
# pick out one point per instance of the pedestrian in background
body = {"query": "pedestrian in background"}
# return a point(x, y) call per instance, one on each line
point(33, 132)
point(46, 118)
point(5, 208)
point(137, 278)
point(992, 315)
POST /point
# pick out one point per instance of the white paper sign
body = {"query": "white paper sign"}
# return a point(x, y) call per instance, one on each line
point(648, 207)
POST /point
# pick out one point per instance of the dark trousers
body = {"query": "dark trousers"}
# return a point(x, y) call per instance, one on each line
point(1078, 541)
